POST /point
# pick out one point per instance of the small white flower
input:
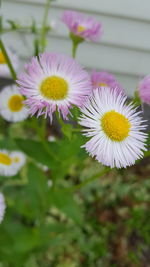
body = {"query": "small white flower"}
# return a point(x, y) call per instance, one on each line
point(2, 207)
point(51, 138)
point(50, 183)
point(7, 166)
point(114, 128)
point(11, 162)
point(12, 106)
point(4, 70)
point(18, 158)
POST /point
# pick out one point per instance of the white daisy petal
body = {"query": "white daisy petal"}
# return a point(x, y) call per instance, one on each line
point(18, 159)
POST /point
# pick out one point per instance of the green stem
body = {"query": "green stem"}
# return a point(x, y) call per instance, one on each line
point(136, 100)
point(91, 179)
point(74, 48)
point(12, 183)
point(24, 29)
point(19, 29)
point(8, 61)
point(41, 128)
point(43, 29)
point(41, 131)
point(44, 127)
point(36, 47)
point(75, 130)
point(76, 40)
point(59, 118)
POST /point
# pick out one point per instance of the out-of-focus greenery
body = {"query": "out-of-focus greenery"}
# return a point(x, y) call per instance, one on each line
point(104, 223)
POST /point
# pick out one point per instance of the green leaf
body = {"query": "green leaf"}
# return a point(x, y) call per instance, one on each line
point(67, 130)
point(20, 240)
point(147, 154)
point(65, 202)
point(35, 150)
point(69, 153)
point(59, 156)
point(34, 195)
point(37, 189)
point(7, 143)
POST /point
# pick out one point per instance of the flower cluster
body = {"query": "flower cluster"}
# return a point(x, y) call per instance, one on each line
point(54, 82)
point(57, 81)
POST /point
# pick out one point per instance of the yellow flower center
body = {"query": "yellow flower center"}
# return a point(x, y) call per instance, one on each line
point(5, 159)
point(15, 103)
point(16, 159)
point(80, 28)
point(54, 88)
point(101, 84)
point(115, 125)
point(2, 58)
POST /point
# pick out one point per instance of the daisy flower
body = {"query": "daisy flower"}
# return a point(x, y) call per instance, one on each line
point(18, 158)
point(144, 90)
point(4, 70)
point(81, 26)
point(105, 79)
point(12, 106)
point(8, 166)
point(54, 81)
point(2, 207)
point(114, 128)
point(51, 138)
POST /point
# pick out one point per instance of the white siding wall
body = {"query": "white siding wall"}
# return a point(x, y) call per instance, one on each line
point(124, 48)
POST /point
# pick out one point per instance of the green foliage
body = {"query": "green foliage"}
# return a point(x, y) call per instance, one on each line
point(59, 157)
point(64, 201)
point(35, 150)
point(25, 229)
point(54, 226)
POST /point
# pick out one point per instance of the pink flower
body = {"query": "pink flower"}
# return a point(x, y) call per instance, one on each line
point(105, 79)
point(54, 81)
point(84, 27)
point(144, 89)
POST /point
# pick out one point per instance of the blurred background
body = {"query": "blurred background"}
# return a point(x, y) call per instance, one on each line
point(125, 45)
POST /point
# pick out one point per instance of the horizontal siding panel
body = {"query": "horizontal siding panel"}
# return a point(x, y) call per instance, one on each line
point(117, 31)
point(23, 45)
point(91, 55)
point(125, 46)
point(134, 9)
